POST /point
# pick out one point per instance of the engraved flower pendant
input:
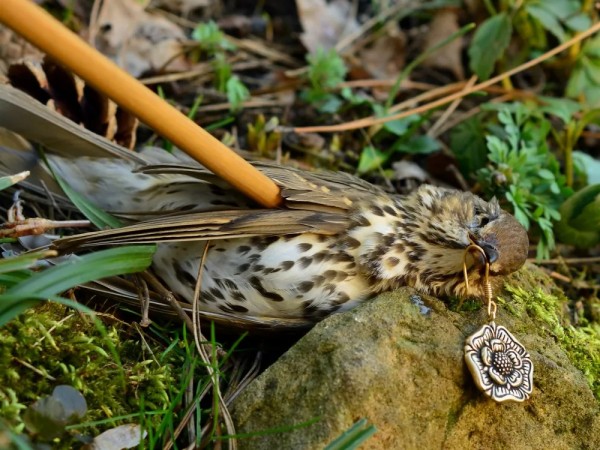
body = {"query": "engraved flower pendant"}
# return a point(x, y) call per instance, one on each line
point(500, 365)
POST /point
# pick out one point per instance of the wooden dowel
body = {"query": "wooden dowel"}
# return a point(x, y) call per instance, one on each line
point(64, 46)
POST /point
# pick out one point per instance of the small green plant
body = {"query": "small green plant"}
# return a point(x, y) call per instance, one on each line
point(397, 137)
point(522, 171)
point(211, 39)
point(237, 93)
point(326, 69)
point(213, 44)
point(263, 136)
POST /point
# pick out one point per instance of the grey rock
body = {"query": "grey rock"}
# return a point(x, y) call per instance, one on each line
point(398, 362)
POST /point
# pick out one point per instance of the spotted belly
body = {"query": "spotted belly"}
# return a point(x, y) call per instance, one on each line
point(302, 276)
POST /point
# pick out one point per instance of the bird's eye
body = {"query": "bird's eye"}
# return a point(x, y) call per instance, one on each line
point(484, 221)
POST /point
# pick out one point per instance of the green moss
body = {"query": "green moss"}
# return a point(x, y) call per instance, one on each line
point(531, 292)
point(52, 344)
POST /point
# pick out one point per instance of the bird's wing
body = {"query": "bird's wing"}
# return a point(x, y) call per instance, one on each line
point(315, 191)
point(212, 225)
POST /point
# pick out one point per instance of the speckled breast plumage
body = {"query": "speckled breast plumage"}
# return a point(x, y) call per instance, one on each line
point(291, 276)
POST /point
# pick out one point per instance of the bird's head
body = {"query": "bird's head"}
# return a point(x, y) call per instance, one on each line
point(425, 245)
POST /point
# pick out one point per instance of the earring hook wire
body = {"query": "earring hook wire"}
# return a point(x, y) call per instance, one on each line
point(487, 285)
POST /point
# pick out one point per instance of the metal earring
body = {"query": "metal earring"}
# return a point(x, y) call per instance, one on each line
point(500, 365)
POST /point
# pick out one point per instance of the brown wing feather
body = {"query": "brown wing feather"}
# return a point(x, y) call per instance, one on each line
point(212, 225)
point(316, 191)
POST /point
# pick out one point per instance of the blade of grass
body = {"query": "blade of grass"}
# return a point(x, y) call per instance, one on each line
point(220, 123)
point(12, 179)
point(78, 270)
point(24, 261)
point(82, 269)
point(97, 216)
point(93, 213)
point(274, 430)
point(10, 279)
point(353, 436)
point(114, 420)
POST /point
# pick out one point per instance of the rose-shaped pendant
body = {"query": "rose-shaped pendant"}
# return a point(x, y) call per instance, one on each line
point(500, 365)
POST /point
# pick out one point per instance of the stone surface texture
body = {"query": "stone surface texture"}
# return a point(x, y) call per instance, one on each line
point(398, 362)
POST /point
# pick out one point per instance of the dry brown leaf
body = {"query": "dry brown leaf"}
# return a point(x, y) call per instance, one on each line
point(121, 437)
point(444, 23)
point(14, 48)
point(385, 58)
point(67, 94)
point(324, 24)
point(140, 42)
point(24, 115)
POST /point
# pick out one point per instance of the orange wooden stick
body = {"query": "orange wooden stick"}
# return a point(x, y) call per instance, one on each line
point(46, 33)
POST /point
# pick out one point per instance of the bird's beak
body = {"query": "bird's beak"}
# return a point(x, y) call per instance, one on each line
point(490, 250)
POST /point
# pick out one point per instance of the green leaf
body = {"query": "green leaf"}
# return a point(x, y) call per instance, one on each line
point(78, 270)
point(24, 261)
point(467, 142)
point(12, 179)
point(583, 82)
point(489, 43)
point(563, 108)
point(418, 145)
point(329, 104)
point(591, 69)
point(521, 216)
point(237, 92)
point(577, 81)
point(548, 20)
point(580, 222)
point(546, 174)
point(355, 98)
point(562, 9)
point(589, 218)
point(399, 127)
point(370, 159)
point(578, 22)
point(211, 38)
point(589, 165)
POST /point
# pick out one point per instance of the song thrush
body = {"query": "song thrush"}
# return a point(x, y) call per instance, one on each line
point(337, 242)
